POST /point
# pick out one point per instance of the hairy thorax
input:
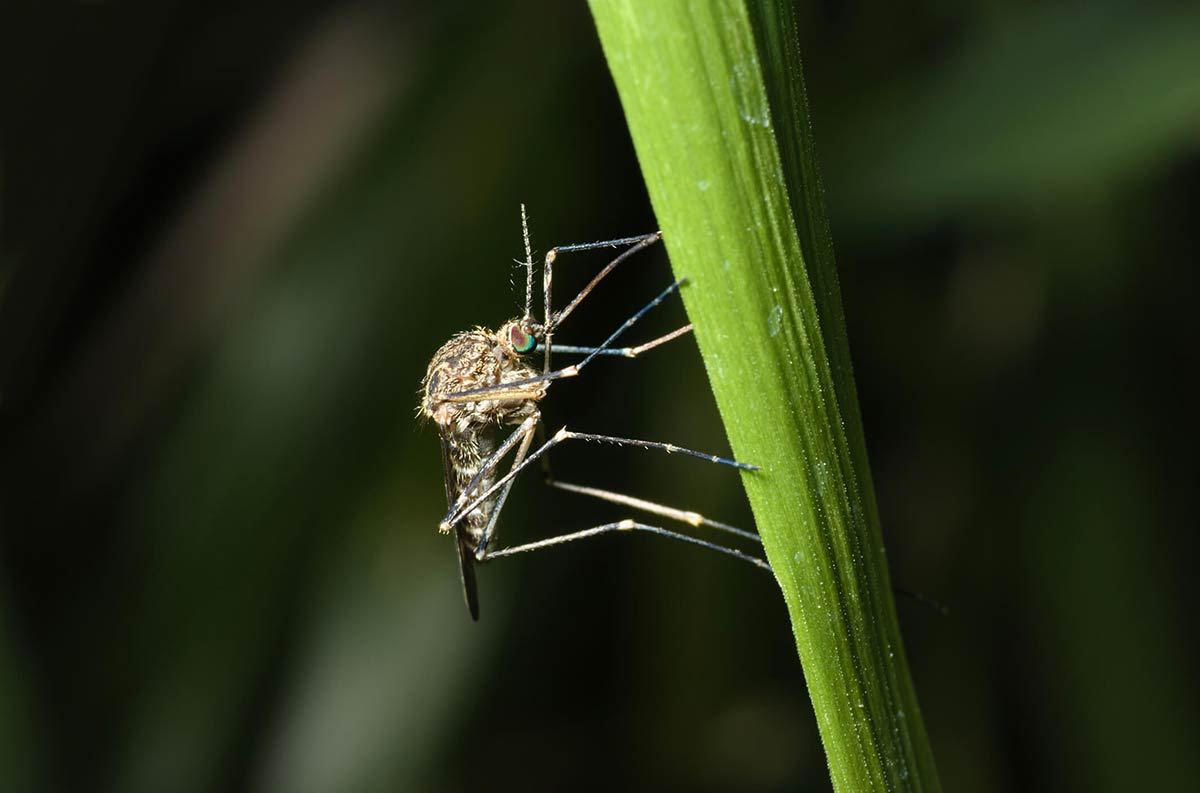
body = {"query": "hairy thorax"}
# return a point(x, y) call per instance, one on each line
point(478, 359)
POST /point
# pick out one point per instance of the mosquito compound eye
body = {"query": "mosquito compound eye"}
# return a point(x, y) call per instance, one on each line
point(521, 341)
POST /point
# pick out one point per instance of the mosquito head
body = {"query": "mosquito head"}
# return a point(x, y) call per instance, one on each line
point(518, 337)
point(528, 267)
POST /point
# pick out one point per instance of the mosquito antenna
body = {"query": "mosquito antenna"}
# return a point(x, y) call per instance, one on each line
point(528, 266)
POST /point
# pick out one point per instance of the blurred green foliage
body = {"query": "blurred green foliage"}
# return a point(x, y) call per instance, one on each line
point(232, 237)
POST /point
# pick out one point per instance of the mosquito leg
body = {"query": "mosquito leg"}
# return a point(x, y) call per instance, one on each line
point(627, 352)
point(553, 320)
point(564, 435)
point(924, 600)
point(685, 516)
point(520, 389)
point(520, 435)
point(639, 243)
point(629, 323)
point(490, 529)
point(669, 448)
point(545, 457)
point(620, 526)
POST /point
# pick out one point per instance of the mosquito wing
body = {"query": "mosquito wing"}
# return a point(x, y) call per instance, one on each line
point(466, 568)
point(466, 555)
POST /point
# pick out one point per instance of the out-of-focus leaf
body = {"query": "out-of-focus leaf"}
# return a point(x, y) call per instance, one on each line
point(1054, 103)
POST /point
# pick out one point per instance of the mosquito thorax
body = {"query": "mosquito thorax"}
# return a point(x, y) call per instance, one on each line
point(482, 358)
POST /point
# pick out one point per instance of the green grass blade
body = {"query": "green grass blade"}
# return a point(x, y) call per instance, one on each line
point(714, 100)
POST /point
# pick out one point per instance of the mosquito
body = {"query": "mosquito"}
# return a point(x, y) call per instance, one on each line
point(481, 381)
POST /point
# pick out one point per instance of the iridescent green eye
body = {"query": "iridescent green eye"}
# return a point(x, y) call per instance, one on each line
point(521, 341)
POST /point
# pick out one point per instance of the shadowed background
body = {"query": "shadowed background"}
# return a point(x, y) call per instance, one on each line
point(232, 237)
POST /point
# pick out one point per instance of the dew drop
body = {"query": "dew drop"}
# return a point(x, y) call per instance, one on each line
point(775, 320)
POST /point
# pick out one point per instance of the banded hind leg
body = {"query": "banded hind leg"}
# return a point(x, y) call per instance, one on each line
point(686, 516)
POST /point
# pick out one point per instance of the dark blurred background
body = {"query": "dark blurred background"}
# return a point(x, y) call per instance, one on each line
point(234, 234)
